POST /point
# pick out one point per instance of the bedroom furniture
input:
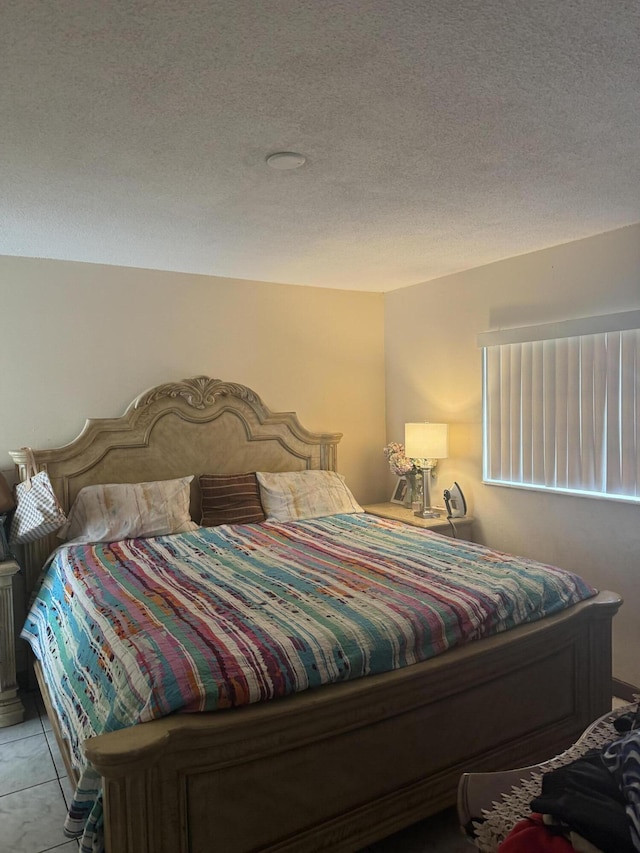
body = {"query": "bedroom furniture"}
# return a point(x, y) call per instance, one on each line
point(460, 527)
point(427, 443)
point(343, 765)
point(490, 804)
point(11, 708)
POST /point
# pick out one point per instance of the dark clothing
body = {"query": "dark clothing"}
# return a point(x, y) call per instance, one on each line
point(584, 797)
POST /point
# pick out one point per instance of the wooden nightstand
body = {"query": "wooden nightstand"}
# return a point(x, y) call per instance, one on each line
point(11, 708)
point(460, 528)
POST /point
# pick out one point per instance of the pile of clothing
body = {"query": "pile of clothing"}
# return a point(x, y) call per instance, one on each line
point(591, 805)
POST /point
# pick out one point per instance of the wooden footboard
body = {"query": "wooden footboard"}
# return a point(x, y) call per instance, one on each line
point(339, 767)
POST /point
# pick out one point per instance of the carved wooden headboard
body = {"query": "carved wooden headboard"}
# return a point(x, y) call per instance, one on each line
point(196, 426)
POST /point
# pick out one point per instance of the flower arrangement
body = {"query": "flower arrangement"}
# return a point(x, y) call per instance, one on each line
point(399, 463)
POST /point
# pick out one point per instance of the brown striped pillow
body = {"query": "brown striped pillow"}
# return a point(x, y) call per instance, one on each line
point(230, 499)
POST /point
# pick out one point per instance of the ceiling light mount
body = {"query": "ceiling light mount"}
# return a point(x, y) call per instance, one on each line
point(285, 160)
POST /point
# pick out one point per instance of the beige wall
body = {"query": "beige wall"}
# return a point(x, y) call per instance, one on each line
point(433, 370)
point(82, 340)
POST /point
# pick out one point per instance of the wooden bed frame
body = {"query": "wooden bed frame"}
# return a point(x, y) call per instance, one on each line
point(338, 767)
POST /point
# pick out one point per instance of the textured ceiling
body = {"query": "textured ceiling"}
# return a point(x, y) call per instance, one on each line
point(439, 136)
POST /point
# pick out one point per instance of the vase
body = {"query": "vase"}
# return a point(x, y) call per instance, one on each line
point(411, 493)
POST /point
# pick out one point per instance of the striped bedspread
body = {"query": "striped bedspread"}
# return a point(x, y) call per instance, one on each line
point(222, 617)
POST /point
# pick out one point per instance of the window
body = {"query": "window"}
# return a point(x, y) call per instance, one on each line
point(561, 406)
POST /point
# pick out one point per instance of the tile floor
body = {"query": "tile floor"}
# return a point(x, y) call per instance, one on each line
point(30, 759)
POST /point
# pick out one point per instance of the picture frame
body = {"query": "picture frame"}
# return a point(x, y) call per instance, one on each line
point(400, 491)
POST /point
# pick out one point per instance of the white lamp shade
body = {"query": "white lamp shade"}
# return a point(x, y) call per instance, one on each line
point(426, 441)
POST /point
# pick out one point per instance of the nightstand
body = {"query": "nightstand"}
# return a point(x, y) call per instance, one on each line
point(458, 527)
point(11, 708)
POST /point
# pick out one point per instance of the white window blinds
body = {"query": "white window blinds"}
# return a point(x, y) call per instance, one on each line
point(563, 413)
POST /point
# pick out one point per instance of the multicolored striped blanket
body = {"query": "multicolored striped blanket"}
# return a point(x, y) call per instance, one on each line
point(227, 616)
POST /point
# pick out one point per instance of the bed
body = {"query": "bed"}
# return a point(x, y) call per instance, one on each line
point(332, 768)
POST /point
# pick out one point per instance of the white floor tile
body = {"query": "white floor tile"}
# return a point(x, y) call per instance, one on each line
point(67, 789)
point(33, 823)
point(24, 763)
point(30, 726)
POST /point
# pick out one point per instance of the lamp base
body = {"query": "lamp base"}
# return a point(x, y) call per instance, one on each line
point(427, 512)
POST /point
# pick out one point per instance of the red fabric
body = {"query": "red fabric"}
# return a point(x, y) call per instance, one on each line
point(532, 836)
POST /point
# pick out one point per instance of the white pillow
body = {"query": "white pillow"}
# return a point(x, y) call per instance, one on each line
point(115, 511)
point(305, 494)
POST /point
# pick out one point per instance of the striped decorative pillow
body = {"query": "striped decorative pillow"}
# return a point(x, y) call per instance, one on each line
point(230, 499)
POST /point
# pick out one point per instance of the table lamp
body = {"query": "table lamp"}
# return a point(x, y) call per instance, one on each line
point(425, 443)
